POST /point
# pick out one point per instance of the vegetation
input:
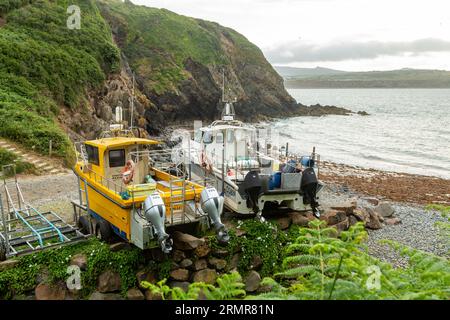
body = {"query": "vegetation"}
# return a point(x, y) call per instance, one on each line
point(7, 157)
point(158, 43)
point(45, 66)
point(54, 263)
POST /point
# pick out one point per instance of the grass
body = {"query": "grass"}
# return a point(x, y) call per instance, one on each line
point(7, 157)
point(45, 66)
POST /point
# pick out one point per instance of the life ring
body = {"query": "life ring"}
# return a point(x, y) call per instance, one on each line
point(128, 172)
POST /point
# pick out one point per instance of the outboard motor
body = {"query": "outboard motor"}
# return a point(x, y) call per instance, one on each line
point(252, 187)
point(212, 204)
point(155, 213)
point(309, 187)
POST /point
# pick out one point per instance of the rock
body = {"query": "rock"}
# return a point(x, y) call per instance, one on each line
point(372, 201)
point(385, 210)
point(252, 281)
point(284, 222)
point(208, 276)
point(202, 250)
point(46, 291)
point(240, 232)
point(180, 275)
point(79, 260)
point(218, 264)
point(119, 246)
point(186, 263)
point(361, 215)
point(374, 221)
point(342, 226)
point(221, 253)
point(144, 275)
point(184, 285)
point(105, 296)
point(301, 219)
point(333, 217)
point(8, 264)
point(178, 255)
point(234, 262)
point(352, 220)
point(392, 221)
point(200, 264)
point(256, 263)
point(346, 207)
point(109, 281)
point(152, 296)
point(183, 241)
point(135, 294)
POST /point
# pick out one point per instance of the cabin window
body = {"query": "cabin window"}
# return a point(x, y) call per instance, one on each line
point(219, 137)
point(92, 153)
point(116, 158)
point(230, 136)
point(207, 137)
point(198, 136)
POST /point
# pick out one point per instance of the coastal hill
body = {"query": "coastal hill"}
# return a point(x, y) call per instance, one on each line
point(329, 78)
point(60, 83)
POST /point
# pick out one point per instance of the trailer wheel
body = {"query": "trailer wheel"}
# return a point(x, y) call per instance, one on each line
point(2, 250)
point(103, 231)
point(84, 225)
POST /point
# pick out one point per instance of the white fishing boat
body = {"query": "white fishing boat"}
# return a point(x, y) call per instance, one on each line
point(249, 171)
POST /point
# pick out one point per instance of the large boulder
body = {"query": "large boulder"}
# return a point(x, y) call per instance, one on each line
point(184, 241)
point(178, 255)
point(79, 260)
point(183, 285)
point(109, 281)
point(256, 263)
point(186, 263)
point(333, 217)
point(385, 210)
point(208, 276)
point(392, 221)
point(135, 294)
point(346, 207)
point(202, 250)
point(149, 295)
point(221, 253)
point(361, 215)
point(218, 264)
point(301, 219)
point(180, 275)
point(233, 262)
point(374, 222)
point(45, 291)
point(200, 264)
point(8, 264)
point(252, 281)
point(284, 222)
point(145, 275)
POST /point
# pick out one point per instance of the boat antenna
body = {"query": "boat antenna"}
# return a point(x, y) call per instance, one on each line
point(132, 105)
point(223, 85)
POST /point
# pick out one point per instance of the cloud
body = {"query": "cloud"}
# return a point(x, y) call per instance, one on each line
point(298, 51)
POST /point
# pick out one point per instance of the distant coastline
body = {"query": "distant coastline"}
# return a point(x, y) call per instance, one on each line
point(299, 78)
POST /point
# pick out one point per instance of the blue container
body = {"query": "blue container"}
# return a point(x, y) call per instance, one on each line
point(307, 162)
point(275, 182)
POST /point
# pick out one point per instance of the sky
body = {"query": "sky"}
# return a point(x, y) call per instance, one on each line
point(352, 35)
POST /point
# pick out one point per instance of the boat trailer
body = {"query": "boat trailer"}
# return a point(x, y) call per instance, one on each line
point(23, 228)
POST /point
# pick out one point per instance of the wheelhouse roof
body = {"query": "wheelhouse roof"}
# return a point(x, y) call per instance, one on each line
point(226, 126)
point(115, 142)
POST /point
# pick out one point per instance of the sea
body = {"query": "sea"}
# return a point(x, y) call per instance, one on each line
point(407, 130)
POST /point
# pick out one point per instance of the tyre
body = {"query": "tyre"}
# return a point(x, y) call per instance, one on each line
point(2, 250)
point(103, 231)
point(84, 224)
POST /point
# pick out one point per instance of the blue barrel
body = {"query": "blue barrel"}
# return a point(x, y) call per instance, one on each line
point(307, 162)
point(276, 180)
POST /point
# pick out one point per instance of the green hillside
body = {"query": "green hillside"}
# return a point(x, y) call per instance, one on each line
point(45, 66)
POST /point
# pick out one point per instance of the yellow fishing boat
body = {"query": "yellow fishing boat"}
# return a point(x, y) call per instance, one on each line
point(128, 188)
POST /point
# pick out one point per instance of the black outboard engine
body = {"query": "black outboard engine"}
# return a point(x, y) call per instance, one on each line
point(309, 187)
point(252, 187)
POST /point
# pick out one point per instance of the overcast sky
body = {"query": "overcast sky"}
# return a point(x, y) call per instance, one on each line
point(339, 34)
